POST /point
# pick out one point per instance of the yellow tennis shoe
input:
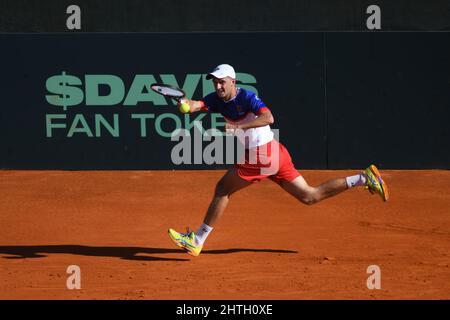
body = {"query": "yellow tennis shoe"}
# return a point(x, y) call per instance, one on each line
point(375, 183)
point(186, 241)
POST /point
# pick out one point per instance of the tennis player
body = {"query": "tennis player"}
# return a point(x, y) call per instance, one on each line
point(244, 110)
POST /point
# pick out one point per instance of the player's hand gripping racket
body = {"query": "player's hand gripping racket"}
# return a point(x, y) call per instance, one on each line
point(168, 91)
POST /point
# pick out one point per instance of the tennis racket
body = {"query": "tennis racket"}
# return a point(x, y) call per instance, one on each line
point(168, 91)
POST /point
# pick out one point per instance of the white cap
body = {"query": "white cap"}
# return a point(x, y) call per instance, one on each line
point(222, 71)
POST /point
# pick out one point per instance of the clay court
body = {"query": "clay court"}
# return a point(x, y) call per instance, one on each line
point(113, 225)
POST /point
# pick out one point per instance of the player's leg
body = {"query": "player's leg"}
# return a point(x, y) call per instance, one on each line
point(291, 181)
point(309, 195)
point(227, 185)
point(369, 178)
point(230, 183)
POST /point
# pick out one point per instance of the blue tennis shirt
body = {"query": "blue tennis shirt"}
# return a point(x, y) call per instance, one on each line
point(243, 108)
point(237, 108)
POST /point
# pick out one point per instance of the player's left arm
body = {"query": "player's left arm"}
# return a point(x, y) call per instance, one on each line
point(264, 118)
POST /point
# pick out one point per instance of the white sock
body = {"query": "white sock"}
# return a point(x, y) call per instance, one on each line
point(356, 180)
point(202, 233)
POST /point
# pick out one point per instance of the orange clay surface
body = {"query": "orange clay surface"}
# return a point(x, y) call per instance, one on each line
point(113, 225)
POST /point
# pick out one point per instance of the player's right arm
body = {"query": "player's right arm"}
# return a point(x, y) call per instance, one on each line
point(194, 105)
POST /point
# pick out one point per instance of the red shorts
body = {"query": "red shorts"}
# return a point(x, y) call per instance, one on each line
point(271, 160)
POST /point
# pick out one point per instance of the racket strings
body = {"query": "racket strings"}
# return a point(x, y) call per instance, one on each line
point(168, 91)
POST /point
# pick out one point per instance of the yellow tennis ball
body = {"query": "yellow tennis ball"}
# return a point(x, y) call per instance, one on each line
point(184, 107)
